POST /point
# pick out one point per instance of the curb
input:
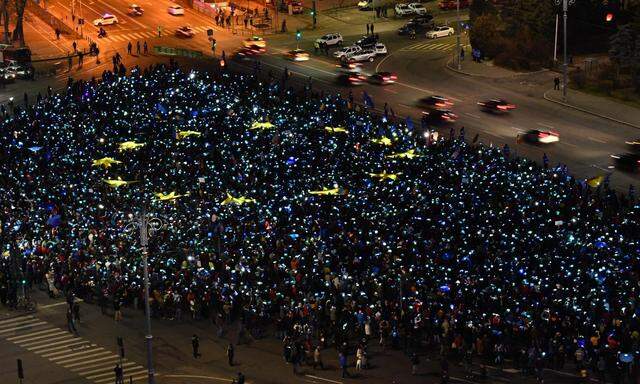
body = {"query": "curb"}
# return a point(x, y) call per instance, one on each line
point(450, 67)
point(589, 112)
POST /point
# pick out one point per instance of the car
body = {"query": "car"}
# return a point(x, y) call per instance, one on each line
point(440, 31)
point(417, 8)
point(345, 67)
point(634, 145)
point(406, 29)
point(364, 55)
point(380, 49)
point(350, 79)
point(403, 10)
point(496, 106)
point(438, 116)
point(175, 10)
point(448, 5)
point(629, 162)
point(254, 41)
point(296, 7)
point(436, 101)
point(346, 51)
point(297, 55)
point(21, 71)
point(248, 54)
point(383, 78)
point(7, 76)
point(185, 31)
point(365, 5)
point(536, 136)
point(330, 39)
point(106, 19)
point(367, 41)
point(135, 10)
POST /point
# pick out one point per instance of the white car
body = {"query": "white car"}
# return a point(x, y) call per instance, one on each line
point(346, 51)
point(440, 32)
point(135, 10)
point(185, 31)
point(417, 8)
point(107, 19)
point(403, 10)
point(175, 10)
point(380, 49)
point(363, 55)
point(330, 39)
point(365, 5)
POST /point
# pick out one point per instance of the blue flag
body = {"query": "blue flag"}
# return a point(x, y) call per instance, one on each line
point(409, 123)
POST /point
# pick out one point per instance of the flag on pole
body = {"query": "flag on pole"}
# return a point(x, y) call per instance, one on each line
point(595, 181)
point(409, 123)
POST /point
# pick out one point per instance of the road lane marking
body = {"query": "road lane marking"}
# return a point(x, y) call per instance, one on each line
point(472, 115)
point(36, 324)
point(46, 348)
point(600, 168)
point(323, 379)
point(387, 89)
point(70, 348)
point(596, 140)
point(90, 361)
point(27, 336)
point(104, 366)
point(47, 340)
point(18, 323)
point(198, 377)
point(131, 372)
point(569, 144)
point(546, 125)
point(15, 319)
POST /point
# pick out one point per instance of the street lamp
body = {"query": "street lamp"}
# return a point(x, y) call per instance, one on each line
point(565, 64)
point(458, 35)
point(147, 226)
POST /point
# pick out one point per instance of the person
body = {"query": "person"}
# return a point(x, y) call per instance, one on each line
point(230, 353)
point(412, 33)
point(368, 29)
point(146, 47)
point(57, 34)
point(74, 45)
point(70, 323)
point(414, 363)
point(76, 312)
point(117, 310)
point(371, 27)
point(129, 47)
point(240, 379)
point(195, 343)
point(444, 371)
point(461, 53)
point(138, 47)
point(284, 25)
point(119, 374)
point(556, 83)
point(317, 358)
point(342, 360)
point(359, 358)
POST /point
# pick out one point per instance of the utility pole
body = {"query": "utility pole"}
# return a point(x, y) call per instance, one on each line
point(458, 35)
point(565, 64)
point(144, 242)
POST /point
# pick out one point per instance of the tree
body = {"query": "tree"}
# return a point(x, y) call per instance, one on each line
point(486, 35)
point(537, 15)
point(623, 47)
point(478, 8)
point(5, 18)
point(18, 31)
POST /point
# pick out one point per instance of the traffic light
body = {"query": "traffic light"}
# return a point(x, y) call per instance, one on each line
point(608, 17)
point(20, 370)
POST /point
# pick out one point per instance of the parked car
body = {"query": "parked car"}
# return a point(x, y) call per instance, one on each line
point(380, 49)
point(364, 55)
point(403, 10)
point(441, 31)
point(135, 10)
point(448, 5)
point(365, 5)
point(185, 31)
point(175, 10)
point(296, 7)
point(346, 51)
point(297, 55)
point(367, 41)
point(417, 8)
point(106, 19)
point(330, 39)
point(383, 78)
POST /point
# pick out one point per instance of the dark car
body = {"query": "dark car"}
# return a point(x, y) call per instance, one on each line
point(439, 116)
point(634, 145)
point(383, 78)
point(629, 162)
point(435, 101)
point(350, 79)
point(367, 41)
point(419, 23)
point(496, 106)
point(536, 136)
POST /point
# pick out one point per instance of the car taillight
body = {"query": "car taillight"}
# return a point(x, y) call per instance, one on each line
point(386, 78)
point(503, 107)
point(394, 77)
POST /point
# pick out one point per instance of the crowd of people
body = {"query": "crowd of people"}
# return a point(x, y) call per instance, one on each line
point(306, 212)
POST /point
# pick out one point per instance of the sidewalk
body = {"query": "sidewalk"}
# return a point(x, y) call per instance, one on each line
point(484, 69)
point(597, 106)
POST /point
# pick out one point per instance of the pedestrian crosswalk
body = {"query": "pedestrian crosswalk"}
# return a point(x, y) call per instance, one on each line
point(432, 46)
point(63, 348)
point(142, 35)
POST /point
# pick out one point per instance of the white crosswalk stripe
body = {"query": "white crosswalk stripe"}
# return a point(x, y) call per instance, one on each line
point(88, 360)
point(432, 46)
point(132, 36)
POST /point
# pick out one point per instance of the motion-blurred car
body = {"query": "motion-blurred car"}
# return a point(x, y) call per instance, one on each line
point(135, 10)
point(496, 106)
point(7, 76)
point(21, 71)
point(447, 5)
point(436, 102)
point(365, 5)
point(403, 10)
point(535, 136)
point(367, 41)
point(417, 8)
point(175, 10)
point(438, 116)
point(380, 49)
point(364, 55)
point(106, 19)
point(245, 54)
point(629, 162)
point(346, 51)
point(254, 41)
point(345, 67)
point(330, 39)
point(441, 31)
point(383, 78)
point(634, 144)
point(185, 32)
point(350, 79)
point(297, 55)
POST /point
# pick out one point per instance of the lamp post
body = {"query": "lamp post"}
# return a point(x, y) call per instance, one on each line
point(565, 64)
point(458, 35)
point(147, 226)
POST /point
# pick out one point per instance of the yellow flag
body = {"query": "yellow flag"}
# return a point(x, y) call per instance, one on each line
point(595, 181)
